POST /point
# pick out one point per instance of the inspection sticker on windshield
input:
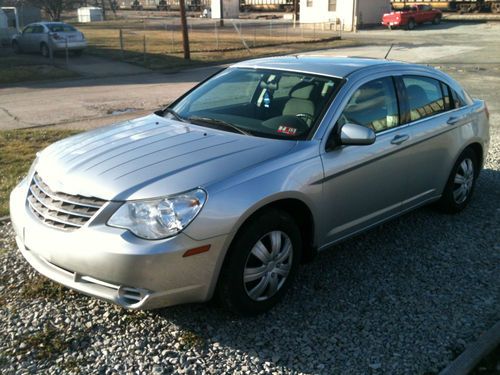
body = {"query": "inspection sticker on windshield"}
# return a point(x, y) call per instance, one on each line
point(287, 130)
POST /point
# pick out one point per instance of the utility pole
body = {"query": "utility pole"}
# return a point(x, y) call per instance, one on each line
point(295, 11)
point(221, 13)
point(185, 37)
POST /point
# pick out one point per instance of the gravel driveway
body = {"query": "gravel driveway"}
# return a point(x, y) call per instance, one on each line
point(404, 298)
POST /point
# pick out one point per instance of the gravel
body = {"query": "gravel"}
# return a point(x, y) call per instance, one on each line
point(404, 298)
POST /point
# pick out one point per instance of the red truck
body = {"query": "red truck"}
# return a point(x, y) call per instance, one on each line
point(411, 16)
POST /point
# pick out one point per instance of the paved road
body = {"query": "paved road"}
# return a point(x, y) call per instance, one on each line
point(467, 51)
point(85, 103)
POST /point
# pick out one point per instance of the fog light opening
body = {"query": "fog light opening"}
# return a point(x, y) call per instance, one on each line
point(131, 296)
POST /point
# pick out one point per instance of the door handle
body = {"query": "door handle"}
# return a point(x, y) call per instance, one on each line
point(453, 120)
point(400, 138)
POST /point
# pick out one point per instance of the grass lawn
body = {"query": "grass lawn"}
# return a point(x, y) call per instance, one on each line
point(29, 68)
point(17, 151)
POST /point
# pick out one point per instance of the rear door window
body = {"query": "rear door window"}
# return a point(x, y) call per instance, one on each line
point(425, 97)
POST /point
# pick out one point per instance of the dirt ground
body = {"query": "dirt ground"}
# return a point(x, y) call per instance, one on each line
point(468, 51)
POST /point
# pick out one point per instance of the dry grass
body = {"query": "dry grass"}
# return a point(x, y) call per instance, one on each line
point(164, 45)
point(26, 68)
point(17, 152)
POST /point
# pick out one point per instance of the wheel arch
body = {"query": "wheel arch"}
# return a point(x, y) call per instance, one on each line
point(478, 150)
point(301, 214)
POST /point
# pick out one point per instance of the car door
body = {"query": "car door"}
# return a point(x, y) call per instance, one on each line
point(427, 11)
point(37, 37)
point(432, 122)
point(25, 39)
point(364, 185)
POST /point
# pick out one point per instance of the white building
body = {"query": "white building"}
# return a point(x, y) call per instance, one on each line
point(230, 9)
point(351, 14)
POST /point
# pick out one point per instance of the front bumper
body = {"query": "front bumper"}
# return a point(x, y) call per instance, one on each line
point(114, 265)
point(392, 23)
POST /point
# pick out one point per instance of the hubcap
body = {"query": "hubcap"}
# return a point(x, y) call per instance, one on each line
point(268, 265)
point(464, 178)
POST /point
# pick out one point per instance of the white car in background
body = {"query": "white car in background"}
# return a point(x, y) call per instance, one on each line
point(45, 36)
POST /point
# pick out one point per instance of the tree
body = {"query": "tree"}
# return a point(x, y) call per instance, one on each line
point(53, 8)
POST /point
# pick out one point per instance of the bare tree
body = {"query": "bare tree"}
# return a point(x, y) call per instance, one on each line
point(53, 8)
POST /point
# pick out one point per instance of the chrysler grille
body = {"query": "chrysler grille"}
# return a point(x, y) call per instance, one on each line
point(60, 210)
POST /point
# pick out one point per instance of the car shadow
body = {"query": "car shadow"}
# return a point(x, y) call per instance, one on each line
point(396, 295)
point(107, 68)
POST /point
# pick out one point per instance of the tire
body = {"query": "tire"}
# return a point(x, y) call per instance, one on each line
point(461, 182)
point(78, 52)
point(16, 47)
point(436, 20)
point(44, 50)
point(411, 24)
point(252, 249)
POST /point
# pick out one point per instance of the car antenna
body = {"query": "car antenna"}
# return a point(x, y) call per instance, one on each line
point(390, 49)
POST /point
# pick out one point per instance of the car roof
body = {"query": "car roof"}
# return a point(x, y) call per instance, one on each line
point(51, 23)
point(323, 65)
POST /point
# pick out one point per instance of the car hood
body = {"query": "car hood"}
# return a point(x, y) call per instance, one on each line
point(150, 157)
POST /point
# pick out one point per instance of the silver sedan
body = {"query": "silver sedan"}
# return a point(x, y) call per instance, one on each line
point(46, 36)
point(225, 192)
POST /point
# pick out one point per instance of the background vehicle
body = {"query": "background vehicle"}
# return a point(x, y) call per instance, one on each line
point(463, 6)
point(412, 16)
point(45, 36)
point(136, 5)
point(266, 5)
point(162, 5)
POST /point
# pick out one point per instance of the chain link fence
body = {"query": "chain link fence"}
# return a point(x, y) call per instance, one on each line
point(157, 42)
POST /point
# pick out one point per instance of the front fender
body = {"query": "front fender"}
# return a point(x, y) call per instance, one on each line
point(229, 204)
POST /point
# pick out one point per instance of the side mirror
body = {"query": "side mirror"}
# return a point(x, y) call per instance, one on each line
point(352, 134)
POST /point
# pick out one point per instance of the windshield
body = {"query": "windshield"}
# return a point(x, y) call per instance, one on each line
point(60, 28)
point(266, 103)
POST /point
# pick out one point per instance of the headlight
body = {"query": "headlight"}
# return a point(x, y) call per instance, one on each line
point(159, 218)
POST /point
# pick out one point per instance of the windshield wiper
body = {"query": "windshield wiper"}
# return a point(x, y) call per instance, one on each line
point(218, 123)
point(175, 114)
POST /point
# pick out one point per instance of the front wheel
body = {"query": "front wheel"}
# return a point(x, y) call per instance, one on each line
point(436, 20)
point(411, 24)
point(261, 264)
point(460, 185)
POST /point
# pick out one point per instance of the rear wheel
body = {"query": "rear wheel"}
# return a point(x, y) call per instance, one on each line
point(411, 24)
point(436, 20)
point(461, 182)
point(16, 47)
point(78, 52)
point(44, 50)
point(261, 264)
